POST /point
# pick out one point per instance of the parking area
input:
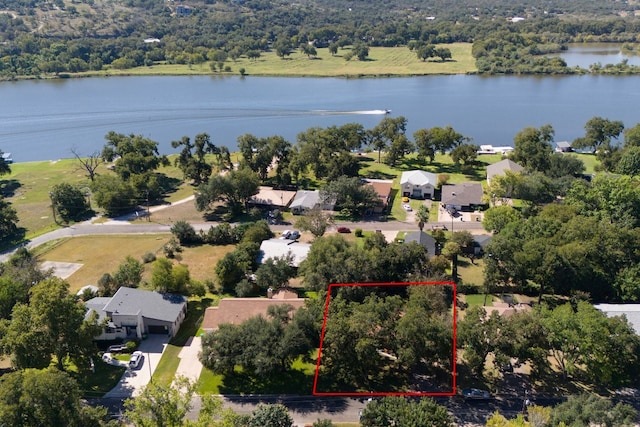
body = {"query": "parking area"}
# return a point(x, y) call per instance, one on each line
point(134, 381)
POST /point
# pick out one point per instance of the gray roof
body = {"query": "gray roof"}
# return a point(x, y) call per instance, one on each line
point(418, 177)
point(423, 239)
point(500, 167)
point(563, 144)
point(465, 194)
point(151, 304)
point(97, 304)
point(631, 311)
point(277, 248)
point(305, 199)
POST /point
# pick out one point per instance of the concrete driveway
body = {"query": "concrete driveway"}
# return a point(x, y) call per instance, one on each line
point(134, 381)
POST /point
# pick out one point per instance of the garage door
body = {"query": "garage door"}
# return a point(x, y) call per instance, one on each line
point(154, 329)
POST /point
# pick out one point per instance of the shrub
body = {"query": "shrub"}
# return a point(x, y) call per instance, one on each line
point(185, 233)
point(358, 232)
point(148, 257)
point(131, 346)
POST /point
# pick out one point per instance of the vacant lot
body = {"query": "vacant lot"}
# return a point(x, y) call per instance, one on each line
point(103, 254)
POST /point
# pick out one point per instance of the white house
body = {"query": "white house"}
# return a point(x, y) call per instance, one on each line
point(278, 248)
point(418, 184)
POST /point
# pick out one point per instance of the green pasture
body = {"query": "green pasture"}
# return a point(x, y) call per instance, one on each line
point(381, 62)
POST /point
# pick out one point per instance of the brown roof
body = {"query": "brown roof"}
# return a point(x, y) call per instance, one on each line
point(382, 188)
point(237, 310)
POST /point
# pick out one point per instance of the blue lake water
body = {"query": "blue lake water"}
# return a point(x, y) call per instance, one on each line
point(44, 120)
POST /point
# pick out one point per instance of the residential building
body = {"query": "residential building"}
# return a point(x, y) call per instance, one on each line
point(418, 184)
point(132, 313)
point(465, 197)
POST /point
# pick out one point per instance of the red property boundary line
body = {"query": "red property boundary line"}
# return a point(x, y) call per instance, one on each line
point(414, 393)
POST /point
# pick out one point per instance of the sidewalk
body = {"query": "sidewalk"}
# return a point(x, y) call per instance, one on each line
point(190, 366)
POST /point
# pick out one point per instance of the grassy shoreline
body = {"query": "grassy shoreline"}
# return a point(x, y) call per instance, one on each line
point(381, 62)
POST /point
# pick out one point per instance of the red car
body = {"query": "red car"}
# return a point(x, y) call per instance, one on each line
point(343, 230)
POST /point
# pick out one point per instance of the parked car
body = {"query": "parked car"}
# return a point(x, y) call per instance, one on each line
point(135, 360)
point(294, 235)
point(344, 230)
point(407, 207)
point(475, 393)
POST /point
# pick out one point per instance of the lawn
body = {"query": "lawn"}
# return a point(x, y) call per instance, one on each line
point(478, 299)
point(96, 384)
point(297, 380)
point(382, 61)
point(103, 254)
point(29, 184)
point(166, 369)
point(471, 273)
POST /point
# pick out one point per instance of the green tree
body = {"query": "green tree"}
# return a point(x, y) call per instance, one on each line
point(443, 53)
point(532, 148)
point(113, 194)
point(400, 411)
point(383, 135)
point(272, 415)
point(128, 273)
point(422, 216)
point(350, 194)
point(587, 409)
point(43, 329)
point(480, 334)
point(425, 52)
point(5, 168)
point(632, 136)
point(497, 217)
point(8, 220)
point(46, 397)
point(133, 154)
point(361, 51)
point(629, 163)
point(235, 189)
point(192, 159)
point(185, 233)
point(68, 201)
point(275, 272)
point(165, 277)
point(465, 153)
point(598, 134)
point(161, 405)
point(315, 221)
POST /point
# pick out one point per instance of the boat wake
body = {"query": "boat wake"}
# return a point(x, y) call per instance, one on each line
point(365, 112)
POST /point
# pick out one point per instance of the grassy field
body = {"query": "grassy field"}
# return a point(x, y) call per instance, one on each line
point(29, 184)
point(103, 254)
point(382, 61)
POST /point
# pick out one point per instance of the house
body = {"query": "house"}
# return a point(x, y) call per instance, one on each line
point(564, 147)
point(631, 311)
point(134, 312)
point(505, 309)
point(465, 197)
point(183, 10)
point(490, 149)
point(500, 168)
point(277, 248)
point(480, 242)
point(6, 157)
point(305, 200)
point(418, 184)
point(270, 197)
point(382, 188)
point(237, 310)
point(422, 238)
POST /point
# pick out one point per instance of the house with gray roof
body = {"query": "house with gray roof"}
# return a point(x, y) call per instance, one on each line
point(423, 239)
point(132, 313)
point(631, 312)
point(305, 200)
point(500, 169)
point(418, 184)
point(465, 197)
point(278, 248)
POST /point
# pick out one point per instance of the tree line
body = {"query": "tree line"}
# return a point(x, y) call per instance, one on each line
point(98, 38)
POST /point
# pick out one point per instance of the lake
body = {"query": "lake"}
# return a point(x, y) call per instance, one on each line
point(44, 120)
point(584, 55)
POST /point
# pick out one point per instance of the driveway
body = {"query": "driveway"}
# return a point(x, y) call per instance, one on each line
point(134, 381)
point(190, 365)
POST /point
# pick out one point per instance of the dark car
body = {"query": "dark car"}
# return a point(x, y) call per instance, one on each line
point(343, 230)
